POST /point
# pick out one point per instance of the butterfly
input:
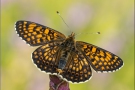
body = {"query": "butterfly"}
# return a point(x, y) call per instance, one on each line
point(63, 56)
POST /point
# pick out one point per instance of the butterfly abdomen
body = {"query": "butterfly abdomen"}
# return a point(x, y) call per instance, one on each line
point(63, 59)
point(67, 46)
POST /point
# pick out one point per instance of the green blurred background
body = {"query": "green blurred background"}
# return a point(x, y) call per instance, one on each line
point(113, 18)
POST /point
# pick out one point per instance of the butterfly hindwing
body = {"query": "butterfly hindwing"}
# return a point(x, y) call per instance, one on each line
point(35, 34)
point(101, 60)
point(46, 57)
point(77, 69)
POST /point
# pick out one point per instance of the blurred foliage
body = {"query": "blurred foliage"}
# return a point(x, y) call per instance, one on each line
point(114, 19)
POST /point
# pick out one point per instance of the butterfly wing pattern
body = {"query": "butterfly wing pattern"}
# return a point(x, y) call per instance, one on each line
point(72, 60)
point(100, 59)
point(45, 57)
point(77, 69)
point(35, 34)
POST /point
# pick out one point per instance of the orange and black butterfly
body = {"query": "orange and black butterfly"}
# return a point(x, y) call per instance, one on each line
point(63, 56)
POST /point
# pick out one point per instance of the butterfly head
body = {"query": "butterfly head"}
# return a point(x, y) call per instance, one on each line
point(69, 41)
point(72, 35)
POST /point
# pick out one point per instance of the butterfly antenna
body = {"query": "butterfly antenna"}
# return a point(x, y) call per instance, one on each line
point(63, 20)
point(87, 33)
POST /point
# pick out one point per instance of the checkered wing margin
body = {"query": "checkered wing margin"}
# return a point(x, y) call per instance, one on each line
point(77, 68)
point(36, 34)
point(100, 59)
point(46, 57)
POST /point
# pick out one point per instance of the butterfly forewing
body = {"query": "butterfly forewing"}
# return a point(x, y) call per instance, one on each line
point(100, 59)
point(36, 34)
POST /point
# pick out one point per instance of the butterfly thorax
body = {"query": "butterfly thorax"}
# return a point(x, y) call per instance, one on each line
point(68, 45)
